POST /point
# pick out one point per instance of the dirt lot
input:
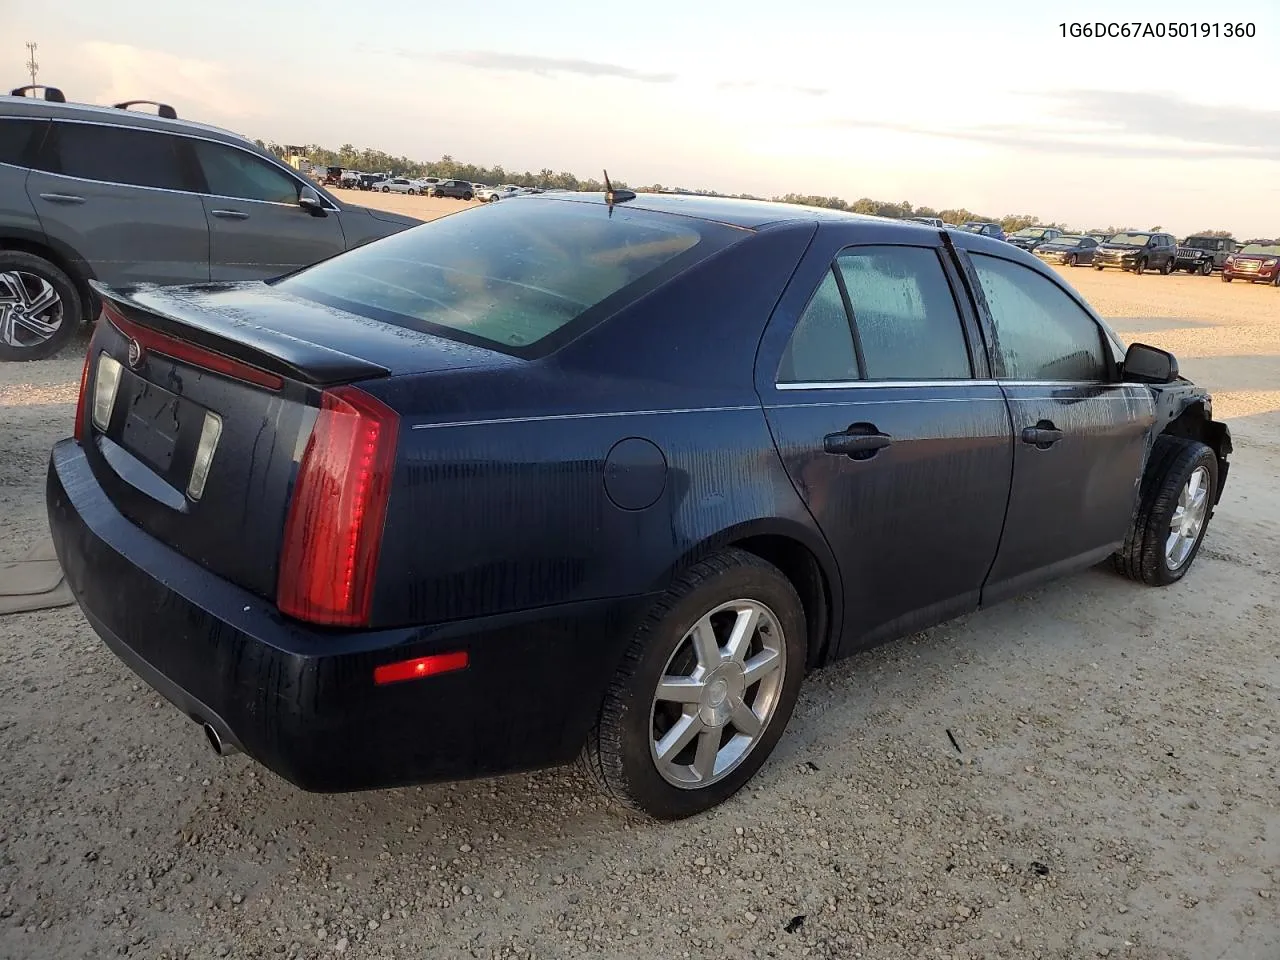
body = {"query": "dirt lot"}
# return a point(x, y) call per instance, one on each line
point(1116, 794)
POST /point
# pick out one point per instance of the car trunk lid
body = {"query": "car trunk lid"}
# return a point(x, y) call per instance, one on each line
point(214, 392)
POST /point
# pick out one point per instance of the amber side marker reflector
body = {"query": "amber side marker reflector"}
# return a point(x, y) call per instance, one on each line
point(421, 667)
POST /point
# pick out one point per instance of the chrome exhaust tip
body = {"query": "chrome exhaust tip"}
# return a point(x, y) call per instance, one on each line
point(221, 747)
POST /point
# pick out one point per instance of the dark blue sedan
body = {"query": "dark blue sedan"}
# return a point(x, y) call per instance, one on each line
point(605, 477)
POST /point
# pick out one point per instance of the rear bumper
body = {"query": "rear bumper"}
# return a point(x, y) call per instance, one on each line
point(302, 701)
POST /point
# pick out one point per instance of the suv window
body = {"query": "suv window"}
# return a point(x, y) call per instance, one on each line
point(91, 151)
point(1041, 333)
point(15, 139)
point(821, 346)
point(230, 172)
point(905, 316)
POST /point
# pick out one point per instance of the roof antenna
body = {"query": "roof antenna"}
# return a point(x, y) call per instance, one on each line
point(612, 196)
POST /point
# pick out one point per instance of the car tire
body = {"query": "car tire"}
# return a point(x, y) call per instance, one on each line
point(413, 192)
point(621, 753)
point(1098, 267)
point(468, 197)
point(1140, 266)
point(1175, 503)
point(1206, 269)
point(1167, 269)
point(1071, 261)
point(27, 281)
point(1225, 278)
point(386, 189)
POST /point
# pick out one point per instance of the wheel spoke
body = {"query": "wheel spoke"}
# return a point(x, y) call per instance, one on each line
point(679, 736)
point(38, 327)
point(679, 689)
point(1193, 485)
point(744, 628)
point(744, 718)
point(760, 666)
point(704, 757)
point(705, 645)
point(46, 298)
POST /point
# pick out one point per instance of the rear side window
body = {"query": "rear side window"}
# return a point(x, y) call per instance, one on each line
point(16, 140)
point(229, 172)
point(121, 155)
point(821, 346)
point(905, 315)
point(511, 275)
point(1041, 333)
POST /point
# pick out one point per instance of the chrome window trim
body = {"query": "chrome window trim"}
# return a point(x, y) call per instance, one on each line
point(864, 384)
point(284, 168)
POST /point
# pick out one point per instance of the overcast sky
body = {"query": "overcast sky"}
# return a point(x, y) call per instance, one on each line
point(978, 104)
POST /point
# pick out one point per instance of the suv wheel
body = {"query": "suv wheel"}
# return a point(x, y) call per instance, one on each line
point(1140, 266)
point(704, 690)
point(468, 196)
point(39, 307)
point(1206, 268)
point(1167, 268)
point(1225, 278)
point(1175, 503)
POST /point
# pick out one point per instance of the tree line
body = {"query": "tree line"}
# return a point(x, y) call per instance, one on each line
point(367, 159)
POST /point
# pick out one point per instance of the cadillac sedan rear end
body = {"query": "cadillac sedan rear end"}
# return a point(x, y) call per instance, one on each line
point(363, 523)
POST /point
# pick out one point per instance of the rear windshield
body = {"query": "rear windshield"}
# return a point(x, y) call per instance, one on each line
point(510, 275)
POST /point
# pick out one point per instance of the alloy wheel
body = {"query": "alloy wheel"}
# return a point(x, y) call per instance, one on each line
point(718, 693)
point(1188, 518)
point(30, 309)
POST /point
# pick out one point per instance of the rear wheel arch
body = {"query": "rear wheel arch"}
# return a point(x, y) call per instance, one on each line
point(64, 260)
point(803, 558)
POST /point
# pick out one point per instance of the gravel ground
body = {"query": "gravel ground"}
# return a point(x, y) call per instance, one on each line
point(1111, 791)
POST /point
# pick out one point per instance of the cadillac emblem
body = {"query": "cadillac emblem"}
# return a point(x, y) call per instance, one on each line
point(135, 353)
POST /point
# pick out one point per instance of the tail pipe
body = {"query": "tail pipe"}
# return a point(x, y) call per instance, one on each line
point(223, 748)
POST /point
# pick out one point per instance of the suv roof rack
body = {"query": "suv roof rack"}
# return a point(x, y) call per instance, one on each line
point(162, 109)
point(52, 94)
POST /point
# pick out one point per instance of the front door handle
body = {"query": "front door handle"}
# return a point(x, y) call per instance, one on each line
point(230, 214)
point(1042, 436)
point(862, 441)
point(61, 198)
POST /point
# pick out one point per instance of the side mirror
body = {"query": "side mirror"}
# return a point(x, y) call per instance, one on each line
point(1146, 364)
point(309, 200)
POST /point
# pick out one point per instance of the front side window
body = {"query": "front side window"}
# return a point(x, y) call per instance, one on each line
point(138, 158)
point(229, 172)
point(906, 317)
point(1041, 333)
point(821, 346)
point(509, 275)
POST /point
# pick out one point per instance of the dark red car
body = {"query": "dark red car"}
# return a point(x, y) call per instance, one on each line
point(1255, 261)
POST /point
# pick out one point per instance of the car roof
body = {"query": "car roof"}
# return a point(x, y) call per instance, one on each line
point(30, 107)
point(750, 214)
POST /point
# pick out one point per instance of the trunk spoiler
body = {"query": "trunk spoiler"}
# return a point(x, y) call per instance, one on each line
point(237, 338)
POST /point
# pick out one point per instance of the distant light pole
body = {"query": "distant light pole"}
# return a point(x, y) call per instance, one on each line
point(32, 66)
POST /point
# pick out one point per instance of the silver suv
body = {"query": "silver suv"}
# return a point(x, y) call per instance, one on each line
point(120, 196)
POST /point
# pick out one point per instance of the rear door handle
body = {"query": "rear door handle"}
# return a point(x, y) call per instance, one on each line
point(862, 441)
point(61, 198)
point(1042, 436)
point(230, 214)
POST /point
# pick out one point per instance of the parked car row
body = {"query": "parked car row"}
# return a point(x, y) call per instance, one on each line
point(424, 186)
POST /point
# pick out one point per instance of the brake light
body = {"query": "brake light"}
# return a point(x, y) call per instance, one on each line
point(83, 400)
point(333, 533)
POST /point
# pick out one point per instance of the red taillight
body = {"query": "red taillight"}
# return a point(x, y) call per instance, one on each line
point(153, 341)
point(421, 667)
point(334, 530)
point(82, 403)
